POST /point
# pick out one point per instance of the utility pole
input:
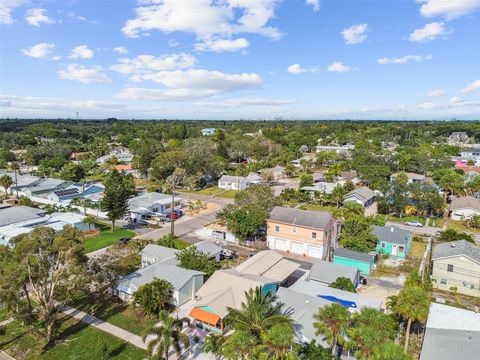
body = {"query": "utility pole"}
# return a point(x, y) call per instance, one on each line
point(172, 214)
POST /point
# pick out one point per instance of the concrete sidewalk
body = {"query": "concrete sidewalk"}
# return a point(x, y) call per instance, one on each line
point(105, 326)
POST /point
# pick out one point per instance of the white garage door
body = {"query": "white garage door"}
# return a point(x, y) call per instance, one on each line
point(281, 244)
point(296, 248)
point(315, 251)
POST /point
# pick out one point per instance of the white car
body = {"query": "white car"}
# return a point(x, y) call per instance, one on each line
point(413, 223)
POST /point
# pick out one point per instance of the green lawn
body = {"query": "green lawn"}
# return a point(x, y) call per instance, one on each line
point(116, 312)
point(405, 218)
point(181, 244)
point(76, 341)
point(3, 314)
point(214, 191)
point(106, 237)
point(459, 226)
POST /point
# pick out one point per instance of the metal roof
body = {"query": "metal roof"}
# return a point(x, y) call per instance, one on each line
point(362, 192)
point(306, 218)
point(451, 333)
point(15, 214)
point(328, 272)
point(355, 255)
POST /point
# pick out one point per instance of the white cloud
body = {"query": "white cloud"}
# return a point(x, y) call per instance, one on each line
point(173, 43)
point(192, 83)
point(204, 17)
point(221, 45)
point(428, 32)
point(436, 93)
point(39, 51)
point(150, 63)
point(120, 50)
point(37, 16)
point(339, 67)
point(456, 100)
point(355, 34)
point(81, 52)
point(404, 59)
point(298, 69)
point(449, 9)
point(472, 86)
point(6, 8)
point(315, 4)
point(86, 75)
point(56, 58)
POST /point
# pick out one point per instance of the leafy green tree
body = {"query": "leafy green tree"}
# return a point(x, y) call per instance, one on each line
point(453, 235)
point(89, 220)
point(167, 334)
point(276, 343)
point(332, 321)
point(338, 193)
point(154, 296)
point(240, 345)
point(167, 241)
point(390, 351)
point(305, 180)
point(72, 172)
point(399, 194)
point(118, 188)
point(412, 304)
point(214, 344)
point(53, 265)
point(452, 182)
point(313, 351)
point(343, 283)
point(5, 182)
point(426, 198)
point(357, 234)
point(193, 259)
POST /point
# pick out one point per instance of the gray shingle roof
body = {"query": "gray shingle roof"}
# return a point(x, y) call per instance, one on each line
point(147, 199)
point(231, 178)
point(396, 236)
point(361, 192)
point(175, 275)
point(157, 252)
point(355, 255)
point(208, 247)
point(15, 214)
point(455, 248)
point(311, 219)
point(328, 272)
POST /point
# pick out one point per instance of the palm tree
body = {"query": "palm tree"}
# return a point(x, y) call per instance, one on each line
point(240, 345)
point(277, 343)
point(258, 313)
point(412, 304)
point(15, 167)
point(89, 220)
point(167, 334)
point(214, 344)
point(6, 181)
point(332, 321)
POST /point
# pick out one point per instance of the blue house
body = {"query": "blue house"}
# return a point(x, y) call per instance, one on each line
point(76, 190)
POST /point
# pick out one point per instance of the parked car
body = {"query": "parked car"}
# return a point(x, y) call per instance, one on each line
point(413, 223)
point(124, 241)
point(169, 215)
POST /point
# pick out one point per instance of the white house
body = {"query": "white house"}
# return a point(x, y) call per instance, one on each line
point(152, 203)
point(208, 131)
point(458, 138)
point(229, 182)
point(463, 208)
point(339, 149)
point(122, 155)
point(471, 153)
point(362, 195)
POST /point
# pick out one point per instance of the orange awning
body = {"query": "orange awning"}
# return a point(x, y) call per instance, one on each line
point(204, 316)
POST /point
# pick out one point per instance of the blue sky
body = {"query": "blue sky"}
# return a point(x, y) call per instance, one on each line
point(240, 59)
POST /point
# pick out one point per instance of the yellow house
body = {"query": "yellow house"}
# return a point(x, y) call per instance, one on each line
point(301, 232)
point(456, 267)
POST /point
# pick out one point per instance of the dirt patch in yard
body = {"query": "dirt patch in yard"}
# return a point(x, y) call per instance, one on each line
point(207, 209)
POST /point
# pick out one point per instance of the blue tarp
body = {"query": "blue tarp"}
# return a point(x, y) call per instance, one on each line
point(346, 303)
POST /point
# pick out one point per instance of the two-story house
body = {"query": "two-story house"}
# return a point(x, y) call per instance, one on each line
point(456, 266)
point(302, 232)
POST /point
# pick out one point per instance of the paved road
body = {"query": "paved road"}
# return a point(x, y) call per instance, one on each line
point(426, 230)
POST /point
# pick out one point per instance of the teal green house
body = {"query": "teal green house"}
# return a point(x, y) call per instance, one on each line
point(393, 241)
point(361, 261)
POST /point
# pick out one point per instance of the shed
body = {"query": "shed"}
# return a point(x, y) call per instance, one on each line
point(362, 261)
point(327, 272)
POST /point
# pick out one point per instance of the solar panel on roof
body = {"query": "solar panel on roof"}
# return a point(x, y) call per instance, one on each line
point(66, 192)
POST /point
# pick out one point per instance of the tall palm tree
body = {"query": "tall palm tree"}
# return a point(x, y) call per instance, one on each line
point(167, 334)
point(412, 304)
point(332, 321)
point(6, 181)
point(258, 313)
point(240, 345)
point(89, 220)
point(277, 343)
point(214, 344)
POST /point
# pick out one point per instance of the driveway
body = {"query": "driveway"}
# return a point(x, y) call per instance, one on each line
point(285, 183)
